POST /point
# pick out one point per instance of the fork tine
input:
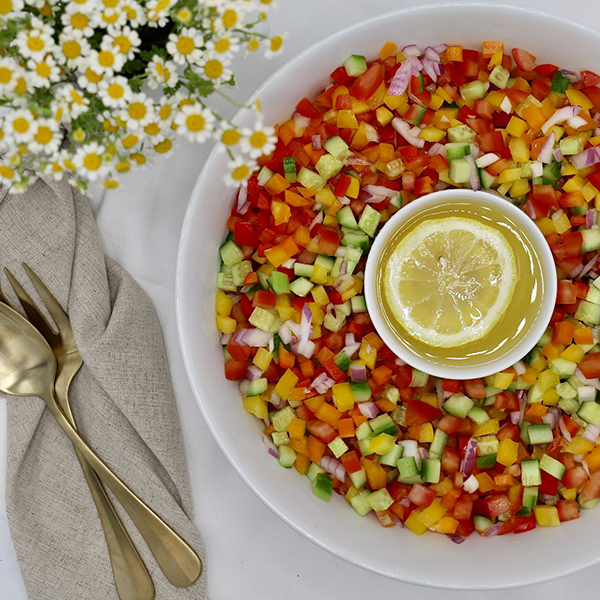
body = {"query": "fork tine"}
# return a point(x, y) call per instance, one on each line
point(52, 304)
point(31, 310)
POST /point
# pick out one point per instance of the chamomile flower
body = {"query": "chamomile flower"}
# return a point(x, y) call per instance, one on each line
point(269, 3)
point(46, 136)
point(125, 40)
point(216, 67)
point(36, 42)
point(73, 47)
point(136, 17)
point(8, 174)
point(69, 103)
point(110, 17)
point(166, 111)
point(9, 72)
point(45, 72)
point(157, 12)
point(275, 46)
point(228, 136)
point(186, 46)
point(19, 125)
point(155, 129)
point(183, 15)
point(107, 61)
point(231, 17)
point(240, 170)
point(161, 73)
point(137, 113)
point(9, 9)
point(195, 122)
point(258, 141)
point(224, 45)
point(78, 21)
point(250, 5)
point(252, 45)
point(89, 80)
point(115, 92)
point(89, 161)
point(53, 169)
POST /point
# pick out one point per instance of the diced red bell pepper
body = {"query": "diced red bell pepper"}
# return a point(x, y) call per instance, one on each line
point(264, 299)
point(404, 377)
point(450, 461)
point(306, 109)
point(549, 484)
point(321, 430)
point(329, 240)
point(451, 385)
point(341, 77)
point(567, 510)
point(235, 369)
point(546, 70)
point(367, 83)
point(421, 496)
point(509, 431)
point(474, 388)
point(525, 60)
point(419, 412)
point(237, 352)
point(590, 365)
point(508, 401)
point(491, 142)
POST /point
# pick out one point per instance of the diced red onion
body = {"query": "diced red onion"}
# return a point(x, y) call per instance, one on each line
point(548, 499)
point(300, 123)
point(556, 215)
point(368, 409)
point(457, 539)
point(253, 337)
point(591, 433)
point(591, 216)
point(520, 367)
point(358, 372)
point(545, 155)
point(506, 105)
point(550, 418)
point(577, 122)
point(486, 160)
point(586, 467)
point(589, 266)
point(399, 83)
point(424, 454)
point(371, 133)
point(570, 75)
point(432, 54)
point(436, 149)
point(473, 175)
point(316, 221)
point(245, 289)
point(493, 530)
point(530, 210)
point(322, 383)
point(243, 386)
point(429, 68)
point(470, 455)
point(225, 338)
point(380, 190)
point(399, 361)
point(333, 467)
point(253, 372)
point(405, 502)
point(351, 349)
point(408, 133)
point(560, 116)
point(415, 99)
point(270, 446)
point(537, 168)
point(475, 151)
point(515, 417)
point(471, 484)
point(439, 391)
point(440, 48)
point(316, 142)
point(411, 50)
point(585, 159)
point(447, 395)
point(355, 161)
point(272, 345)
point(514, 470)
point(576, 271)
point(241, 200)
point(289, 264)
point(277, 401)
point(564, 430)
point(558, 155)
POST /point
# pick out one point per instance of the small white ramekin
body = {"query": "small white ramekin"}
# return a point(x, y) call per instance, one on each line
point(529, 229)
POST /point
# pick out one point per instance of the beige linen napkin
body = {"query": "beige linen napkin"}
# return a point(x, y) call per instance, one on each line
point(122, 398)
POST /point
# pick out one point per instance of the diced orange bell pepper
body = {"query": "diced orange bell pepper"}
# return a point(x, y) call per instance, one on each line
point(316, 449)
point(277, 184)
point(486, 483)
point(297, 428)
point(387, 50)
point(376, 475)
point(345, 427)
point(563, 333)
point(454, 53)
point(302, 463)
point(490, 48)
point(328, 413)
point(583, 336)
point(300, 446)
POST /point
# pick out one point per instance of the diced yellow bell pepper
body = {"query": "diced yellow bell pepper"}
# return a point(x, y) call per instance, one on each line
point(432, 134)
point(360, 139)
point(519, 149)
point(343, 397)
point(551, 397)
point(569, 494)
point(256, 406)
point(368, 354)
point(394, 102)
point(507, 452)
point(317, 314)
point(358, 106)
point(320, 295)
point(509, 175)
point(430, 398)
point(546, 226)
point(444, 95)
point(567, 168)
point(574, 353)
point(589, 191)
point(382, 443)
point(489, 427)
point(514, 493)
point(575, 184)
point(519, 188)
point(262, 359)
point(547, 379)
point(384, 116)
point(503, 380)
point(446, 525)
point(516, 127)
point(414, 524)
point(226, 324)
point(325, 196)
point(562, 224)
point(281, 212)
point(546, 516)
point(319, 274)
point(435, 102)
point(540, 364)
point(496, 59)
point(353, 188)
point(286, 384)
point(432, 514)
point(443, 487)
point(223, 304)
point(426, 433)
point(495, 98)
point(277, 255)
point(597, 202)
point(579, 446)
point(579, 98)
point(346, 119)
point(387, 50)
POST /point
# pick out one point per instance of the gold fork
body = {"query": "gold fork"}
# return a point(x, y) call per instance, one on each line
point(178, 561)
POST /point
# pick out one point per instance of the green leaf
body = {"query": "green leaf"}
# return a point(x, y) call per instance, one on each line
point(205, 88)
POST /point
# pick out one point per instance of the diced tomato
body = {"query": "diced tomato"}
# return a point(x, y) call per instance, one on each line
point(421, 496)
point(404, 377)
point(466, 527)
point(329, 241)
point(341, 77)
point(463, 509)
point(474, 388)
point(590, 365)
point(549, 484)
point(540, 89)
point(491, 142)
point(589, 78)
point(264, 299)
point(574, 477)
point(509, 431)
point(334, 371)
point(398, 490)
point(508, 401)
point(567, 510)
point(450, 424)
point(525, 60)
point(322, 431)
point(450, 461)
point(235, 369)
point(366, 85)
point(306, 109)
point(451, 385)
point(492, 507)
point(546, 70)
point(419, 412)
point(567, 293)
point(591, 490)
point(544, 197)
point(304, 413)
point(237, 352)
point(514, 525)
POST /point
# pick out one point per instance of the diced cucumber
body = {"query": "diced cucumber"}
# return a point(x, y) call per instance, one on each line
point(586, 393)
point(482, 523)
point(383, 424)
point(328, 166)
point(589, 505)
point(431, 469)
point(355, 65)
point(571, 145)
point(311, 180)
point(326, 262)
point(364, 446)
point(279, 282)
point(257, 387)
point(281, 419)
point(313, 470)
point(460, 170)
point(338, 446)
point(487, 180)
point(280, 438)
point(369, 220)
point(302, 270)
point(458, 405)
point(436, 448)
point(407, 467)
point(524, 435)
point(346, 218)
point(342, 361)
point(456, 151)
point(363, 431)
point(540, 434)
point(472, 90)
point(552, 466)
point(588, 312)
point(568, 405)
point(337, 147)
point(359, 240)
point(478, 415)
point(287, 456)
point(559, 83)
point(289, 169)
point(593, 295)
point(530, 495)
point(524, 511)
point(264, 176)
point(591, 240)
point(360, 503)
point(461, 134)
point(580, 210)
point(263, 280)
point(262, 319)
point(563, 367)
point(589, 412)
point(231, 253)
point(353, 254)
point(487, 444)
point(530, 472)
point(380, 500)
point(322, 486)
point(225, 282)
point(396, 201)
point(486, 461)
point(415, 115)
point(358, 478)
point(358, 304)
point(499, 76)
point(362, 393)
point(419, 379)
point(391, 458)
point(566, 390)
point(301, 286)
point(239, 272)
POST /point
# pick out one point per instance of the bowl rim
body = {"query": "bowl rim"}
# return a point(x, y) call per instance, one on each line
point(533, 234)
point(186, 234)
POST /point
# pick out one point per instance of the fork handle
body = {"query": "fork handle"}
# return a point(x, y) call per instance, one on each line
point(132, 579)
point(176, 558)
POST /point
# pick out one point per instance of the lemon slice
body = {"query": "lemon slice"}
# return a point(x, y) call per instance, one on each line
point(450, 280)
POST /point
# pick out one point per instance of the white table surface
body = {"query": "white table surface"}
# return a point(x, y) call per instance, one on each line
point(251, 553)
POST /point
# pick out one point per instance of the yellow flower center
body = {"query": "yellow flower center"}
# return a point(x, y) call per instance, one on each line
point(137, 110)
point(106, 58)
point(6, 6)
point(46, 10)
point(164, 146)
point(115, 91)
point(92, 161)
point(108, 126)
point(140, 159)
point(35, 43)
point(71, 49)
point(43, 70)
point(6, 172)
point(80, 1)
point(5, 75)
point(230, 137)
point(56, 168)
point(123, 43)
point(69, 164)
point(223, 45)
point(184, 15)
point(152, 129)
point(162, 5)
point(121, 123)
point(1, 134)
point(21, 125)
point(130, 12)
point(230, 18)
point(240, 173)
point(79, 21)
point(43, 135)
point(110, 3)
point(258, 139)
point(92, 76)
point(111, 184)
point(130, 141)
point(165, 111)
point(110, 16)
point(195, 123)
point(213, 69)
point(253, 44)
point(76, 97)
point(79, 135)
point(21, 86)
point(123, 166)
point(276, 43)
point(185, 45)
point(267, 2)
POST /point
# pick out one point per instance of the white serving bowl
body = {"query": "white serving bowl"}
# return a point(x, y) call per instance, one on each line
point(446, 369)
point(479, 563)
